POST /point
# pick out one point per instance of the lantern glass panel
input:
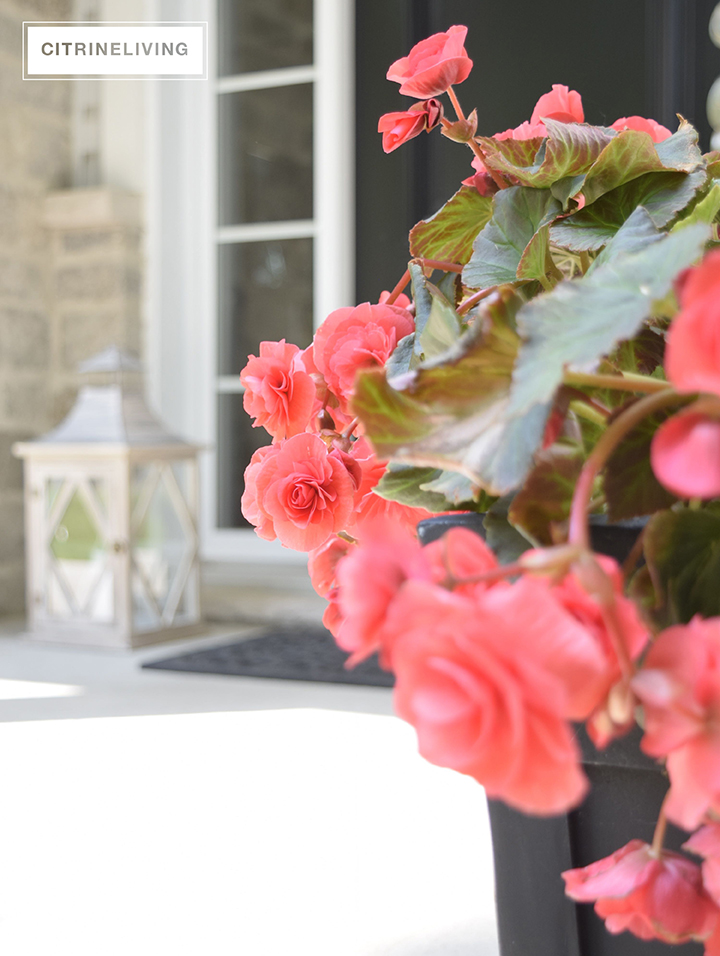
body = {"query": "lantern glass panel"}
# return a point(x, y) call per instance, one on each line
point(80, 582)
point(162, 549)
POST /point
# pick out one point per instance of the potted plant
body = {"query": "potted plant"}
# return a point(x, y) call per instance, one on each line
point(554, 376)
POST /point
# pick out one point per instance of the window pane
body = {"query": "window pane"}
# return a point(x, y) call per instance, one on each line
point(237, 440)
point(265, 291)
point(264, 35)
point(265, 155)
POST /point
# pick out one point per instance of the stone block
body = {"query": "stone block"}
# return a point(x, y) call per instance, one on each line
point(87, 240)
point(92, 207)
point(11, 468)
point(8, 215)
point(84, 334)
point(19, 278)
point(12, 587)
point(25, 403)
point(12, 538)
point(48, 155)
point(95, 281)
point(24, 339)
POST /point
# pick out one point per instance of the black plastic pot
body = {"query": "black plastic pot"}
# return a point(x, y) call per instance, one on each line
point(535, 918)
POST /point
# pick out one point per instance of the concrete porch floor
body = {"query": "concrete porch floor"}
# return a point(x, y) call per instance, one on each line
point(161, 814)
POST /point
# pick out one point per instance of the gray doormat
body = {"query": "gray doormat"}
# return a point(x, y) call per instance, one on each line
point(290, 652)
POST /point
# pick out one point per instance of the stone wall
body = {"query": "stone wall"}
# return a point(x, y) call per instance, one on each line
point(69, 269)
point(34, 158)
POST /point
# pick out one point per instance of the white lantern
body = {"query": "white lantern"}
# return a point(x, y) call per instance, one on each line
point(111, 521)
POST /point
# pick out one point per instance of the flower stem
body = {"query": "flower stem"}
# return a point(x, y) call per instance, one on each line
point(456, 103)
point(398, 288)
point(579, 532)
point(659, 835)
point(475, 147)
point(624, 382)
point(474, 299)
point(443, 265)
point(351, 428)
point(589, 412)
point(487, 577)
point(584, 262)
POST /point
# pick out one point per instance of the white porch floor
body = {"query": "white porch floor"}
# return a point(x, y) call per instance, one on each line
point(149, 813)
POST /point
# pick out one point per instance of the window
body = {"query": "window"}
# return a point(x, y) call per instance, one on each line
point(251, 226)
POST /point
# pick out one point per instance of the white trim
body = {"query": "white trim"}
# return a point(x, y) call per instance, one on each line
point(265, 79)
point(263, 231)
point(334, 141)
point(184, 237)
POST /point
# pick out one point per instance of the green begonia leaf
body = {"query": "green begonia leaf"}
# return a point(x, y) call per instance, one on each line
point(581, 320)
point(437, 325)
point(545, 497)
point(682, 549)
point(631, 488)
point(513, 244)
point(449, 234)
point(662, 194)
point(705, 210)
point(404, 483)
point(452, 413)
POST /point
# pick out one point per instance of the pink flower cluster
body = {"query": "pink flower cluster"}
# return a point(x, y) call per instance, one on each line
point(428, 71)
point(315, 480)
point(564, 106)
point(685, 453)
point(659, 894)
point(490, 673)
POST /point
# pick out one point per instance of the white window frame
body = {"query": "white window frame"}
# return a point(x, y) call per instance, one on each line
point(181, 294)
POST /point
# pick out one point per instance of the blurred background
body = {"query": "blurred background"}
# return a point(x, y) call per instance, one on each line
point(186, 221)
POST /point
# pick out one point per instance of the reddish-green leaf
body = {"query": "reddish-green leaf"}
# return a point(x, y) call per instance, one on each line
point(631, 488)
point(682, 549)
point(569, 150)
point(449, 234)
point(545, 497)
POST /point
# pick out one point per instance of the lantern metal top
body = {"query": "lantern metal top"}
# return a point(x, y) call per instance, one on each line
point(109, 415)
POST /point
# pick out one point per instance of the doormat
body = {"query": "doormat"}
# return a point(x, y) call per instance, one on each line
point(290, 652)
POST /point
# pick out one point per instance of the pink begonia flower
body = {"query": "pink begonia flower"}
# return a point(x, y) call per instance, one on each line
point(679, 687)
point(301, 494)
point(460, 553)
point(369, 578)
point(692, 355)
point(371, 507)
point(641, 125)
point(523, 131)
point(478, 681)
point(398, 128)
point(250, 505)
point(402, 301)
point(586, 610)
point(350, 339)
point(706, 843)
point(559, 104)
point(322, 567)
point(685, 455)
point(653, 897)
point(279, 392)
point(323, 562)
point(433, 65)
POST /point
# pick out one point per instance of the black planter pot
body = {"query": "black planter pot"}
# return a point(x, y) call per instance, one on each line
point(535, 918)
